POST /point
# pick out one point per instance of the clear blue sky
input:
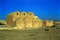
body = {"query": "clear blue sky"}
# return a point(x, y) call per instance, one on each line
point(45, 9)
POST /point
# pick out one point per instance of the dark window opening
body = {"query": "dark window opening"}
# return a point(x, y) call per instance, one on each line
point(17, 13)
point(24, 13)
point(30, 14)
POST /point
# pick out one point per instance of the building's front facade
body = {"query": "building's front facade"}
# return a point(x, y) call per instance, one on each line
point(25, 20)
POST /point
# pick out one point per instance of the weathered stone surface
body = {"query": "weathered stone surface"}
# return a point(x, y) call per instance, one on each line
point(25, 20)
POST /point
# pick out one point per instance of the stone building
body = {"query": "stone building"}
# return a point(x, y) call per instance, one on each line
point(48, 23)
point(22, 20)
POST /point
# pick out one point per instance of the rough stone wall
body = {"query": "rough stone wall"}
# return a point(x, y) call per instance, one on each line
point(29, 19)
point(25, 20)
point(20, 22)
point(49, 23)
point(10, 20)
point(16, 15)
point(37, 23)
point(44, 22)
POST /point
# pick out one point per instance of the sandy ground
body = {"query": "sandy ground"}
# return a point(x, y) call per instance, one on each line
point(43, 33)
